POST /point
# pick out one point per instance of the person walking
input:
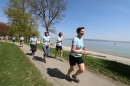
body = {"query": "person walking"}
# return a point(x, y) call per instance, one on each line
point(45, 45)
point(33, 44)
point(21, 40)
point(59, 45)
point(75, 56)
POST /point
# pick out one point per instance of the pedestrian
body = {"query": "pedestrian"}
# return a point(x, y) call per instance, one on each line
point(59, 45)
point(75, 56)
point(45, 45)
point(33, 44)
point(21, 40)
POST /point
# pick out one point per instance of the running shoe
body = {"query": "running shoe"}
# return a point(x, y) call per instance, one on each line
point(44, 61)
point(61, 60)
point(75, 79)
point(68, 78)
point(33, 53)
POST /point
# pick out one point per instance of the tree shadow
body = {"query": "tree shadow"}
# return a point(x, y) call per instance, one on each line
point(54, 72)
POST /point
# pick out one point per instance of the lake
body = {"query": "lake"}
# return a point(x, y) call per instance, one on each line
point(118, 48)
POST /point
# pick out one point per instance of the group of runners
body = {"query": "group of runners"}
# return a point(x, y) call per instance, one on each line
point(6, 38)
point(21, 40)
point(75, 56)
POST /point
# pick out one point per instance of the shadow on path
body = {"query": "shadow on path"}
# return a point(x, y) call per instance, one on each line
point(38, 58)
point(50, 56)
point(30, 54)
point(54, 72)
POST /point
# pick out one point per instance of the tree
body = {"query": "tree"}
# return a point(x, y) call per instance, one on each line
point(4, 28)
point(49, 12)
point(20, 19)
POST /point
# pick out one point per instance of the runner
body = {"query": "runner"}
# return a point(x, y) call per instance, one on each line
point(59, 45)
point(13, 39)
point(46, 42)
point(6, 38)
point(0, 38)
point(21, 40)
point(33, 44)
point(76, 55)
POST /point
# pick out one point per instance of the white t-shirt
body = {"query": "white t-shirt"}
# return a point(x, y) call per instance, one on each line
point(22, 38)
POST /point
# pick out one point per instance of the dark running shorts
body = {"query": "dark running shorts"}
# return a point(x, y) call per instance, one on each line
point(58, 47)
point(21, 40)
point(73, 60)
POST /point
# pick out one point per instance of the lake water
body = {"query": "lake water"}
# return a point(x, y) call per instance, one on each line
point(108, 47)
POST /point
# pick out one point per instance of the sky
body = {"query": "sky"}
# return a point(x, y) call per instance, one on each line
point(102, 19)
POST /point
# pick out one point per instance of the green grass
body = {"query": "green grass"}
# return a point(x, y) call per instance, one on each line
point(112, 69)
point(16, 69)
point(96, 55)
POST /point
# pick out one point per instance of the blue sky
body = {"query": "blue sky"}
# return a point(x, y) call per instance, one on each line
point(102, 19)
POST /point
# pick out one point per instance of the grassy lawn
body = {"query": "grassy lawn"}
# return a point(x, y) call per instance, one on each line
point(117, 71)
point(16, 69)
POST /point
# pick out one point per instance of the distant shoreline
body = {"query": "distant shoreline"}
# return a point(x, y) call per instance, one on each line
point(99, 40)
point(116, 58)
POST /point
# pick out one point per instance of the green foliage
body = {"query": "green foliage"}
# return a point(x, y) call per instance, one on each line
point(20, 19)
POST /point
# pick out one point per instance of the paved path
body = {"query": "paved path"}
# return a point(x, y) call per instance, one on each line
point(54, 71)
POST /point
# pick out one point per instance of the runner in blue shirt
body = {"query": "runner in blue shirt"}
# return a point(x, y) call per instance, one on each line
point(46, 42)
point(33, 44)
point(59, 45)
point(75, 56)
